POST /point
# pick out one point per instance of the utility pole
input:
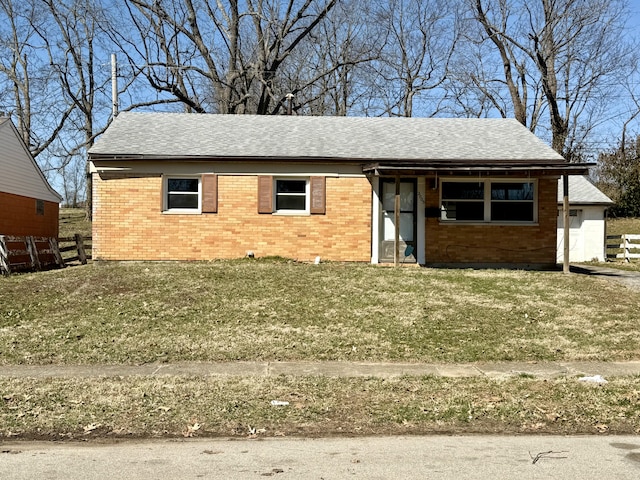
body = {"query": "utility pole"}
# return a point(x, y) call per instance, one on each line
point(289, 97)
point(114, 85)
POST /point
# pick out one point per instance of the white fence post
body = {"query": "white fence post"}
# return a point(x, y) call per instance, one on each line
point(628, 243)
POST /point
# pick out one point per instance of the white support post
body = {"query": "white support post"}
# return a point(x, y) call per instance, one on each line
point(565, 213)
point(396, 220)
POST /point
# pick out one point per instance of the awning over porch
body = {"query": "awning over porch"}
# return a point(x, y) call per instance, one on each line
point(403, 169)
point(427, 168)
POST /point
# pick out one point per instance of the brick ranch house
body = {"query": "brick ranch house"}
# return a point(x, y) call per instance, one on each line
point(28, 204)
point(169, 186)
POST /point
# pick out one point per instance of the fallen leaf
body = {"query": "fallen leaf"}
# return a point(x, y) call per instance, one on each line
point(601, 427)
point(91, 427)
point(191, 429)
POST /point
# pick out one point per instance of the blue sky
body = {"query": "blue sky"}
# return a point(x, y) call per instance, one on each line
point(608, 132)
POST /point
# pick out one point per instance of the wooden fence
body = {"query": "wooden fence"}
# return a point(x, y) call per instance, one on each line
point(626, 247)
point(41, 253)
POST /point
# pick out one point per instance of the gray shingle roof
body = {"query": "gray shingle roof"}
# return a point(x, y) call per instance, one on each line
point(162, 135)
point(582, 191)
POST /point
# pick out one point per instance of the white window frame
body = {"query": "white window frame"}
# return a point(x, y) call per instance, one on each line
point(307, 196)
point(487, 200)
point(166, 193)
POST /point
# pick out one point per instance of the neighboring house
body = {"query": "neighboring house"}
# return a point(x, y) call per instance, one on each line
point(28, 204)
point(432, 191)
point(587, 221)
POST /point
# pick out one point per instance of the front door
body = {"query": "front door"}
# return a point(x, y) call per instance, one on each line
point(407, 244)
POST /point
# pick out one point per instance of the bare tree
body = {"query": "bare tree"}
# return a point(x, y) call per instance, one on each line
point(557, 56)
point(26, 79)
point(73, 37)
point(220, 55)
point(69, 38)
point(419, 40)
point(327, 72)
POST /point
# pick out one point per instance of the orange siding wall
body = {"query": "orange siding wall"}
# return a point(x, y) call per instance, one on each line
point(18, 217)
point(523, 244)
point(128, 223)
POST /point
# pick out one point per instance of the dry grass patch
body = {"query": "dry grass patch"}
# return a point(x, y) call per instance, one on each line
point(620, 226)
point(72, 221)
point(187, 406)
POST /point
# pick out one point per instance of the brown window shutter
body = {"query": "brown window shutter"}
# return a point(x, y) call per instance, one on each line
point(265, 194)
point(318, 195)
point(210, 193)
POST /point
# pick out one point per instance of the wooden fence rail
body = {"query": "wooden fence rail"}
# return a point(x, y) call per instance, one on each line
point(73, 249)
point(626, 247)
point(41, 253)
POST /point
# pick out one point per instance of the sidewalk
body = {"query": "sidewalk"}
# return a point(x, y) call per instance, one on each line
point(331, 369)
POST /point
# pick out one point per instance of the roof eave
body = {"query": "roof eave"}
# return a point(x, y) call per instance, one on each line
point(102, 157)
point(589, 204)
point(460, 168)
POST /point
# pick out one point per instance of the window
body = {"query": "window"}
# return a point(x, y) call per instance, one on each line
point(488, 201)
point(512, 202)
point(291, 195)
point(182, 194)
point(39, 207)
point(575, 218)
point(463, 201)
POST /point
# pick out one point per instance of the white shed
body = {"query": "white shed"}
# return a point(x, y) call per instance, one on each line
point(587, 207)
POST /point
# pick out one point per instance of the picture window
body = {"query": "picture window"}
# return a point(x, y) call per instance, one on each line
point(488, 201)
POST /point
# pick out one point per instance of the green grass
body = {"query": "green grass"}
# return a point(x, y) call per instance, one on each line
point(277, 310)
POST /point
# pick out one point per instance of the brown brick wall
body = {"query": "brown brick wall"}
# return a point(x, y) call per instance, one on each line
point(18, 217)
point(128, 223)
point(523, 244)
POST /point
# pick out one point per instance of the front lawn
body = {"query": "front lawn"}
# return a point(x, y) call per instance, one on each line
point(279, 310)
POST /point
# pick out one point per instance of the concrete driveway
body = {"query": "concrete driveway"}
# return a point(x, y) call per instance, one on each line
point(625, 277)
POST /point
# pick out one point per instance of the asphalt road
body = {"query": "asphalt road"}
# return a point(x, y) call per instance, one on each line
point(431, 457)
